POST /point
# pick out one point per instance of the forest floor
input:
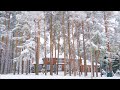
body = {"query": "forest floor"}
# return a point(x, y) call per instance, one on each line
point(59, 76)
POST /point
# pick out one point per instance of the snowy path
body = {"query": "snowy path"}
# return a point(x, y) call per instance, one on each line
point(60, 76)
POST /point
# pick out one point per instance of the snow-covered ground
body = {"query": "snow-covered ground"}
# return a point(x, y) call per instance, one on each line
point(48, 76)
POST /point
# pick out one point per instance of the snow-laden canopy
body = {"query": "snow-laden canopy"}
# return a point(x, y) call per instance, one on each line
point(25, 51)
point(78, 15)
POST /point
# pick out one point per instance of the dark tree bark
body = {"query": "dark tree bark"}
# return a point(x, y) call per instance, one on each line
point(84, 48)
point(51, 47)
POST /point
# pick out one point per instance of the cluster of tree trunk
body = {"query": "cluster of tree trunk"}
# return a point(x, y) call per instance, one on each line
point(9, 65)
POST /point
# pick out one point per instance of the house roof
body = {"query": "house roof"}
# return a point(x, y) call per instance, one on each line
point(61, 56)
point(88, 62)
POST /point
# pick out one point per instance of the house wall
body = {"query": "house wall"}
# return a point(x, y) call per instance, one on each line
point(89, 68)
point(54, 61)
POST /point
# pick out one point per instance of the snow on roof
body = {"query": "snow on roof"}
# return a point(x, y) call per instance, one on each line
point(88, 62)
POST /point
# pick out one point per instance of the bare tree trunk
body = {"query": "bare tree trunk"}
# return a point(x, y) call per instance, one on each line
point(17, 62)
point(7, 48)
point(12, 51)
point(107, 36)
point(51, 49)
point(27, 66)
point(9, 59)
point(58, 50)
point(78, 47)
point(93, 65)
point(16, 50)
point(54, 45)
point(22, 71)
point(69, 47)
point(78, 50)
point(1, 53)
point(85, 69)
point(96, 69)
point(55, 56)
point(97, 54)
point(37, 49)
point(45, 46)
point(74, 67)
point(21, 41)
point(18, 66)
point(91, 58)
point(14, 71)
point(2, 58)
point(64, 45)
point(97, 57)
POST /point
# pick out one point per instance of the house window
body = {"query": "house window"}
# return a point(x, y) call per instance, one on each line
point(60, 67)
point(48, 67)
